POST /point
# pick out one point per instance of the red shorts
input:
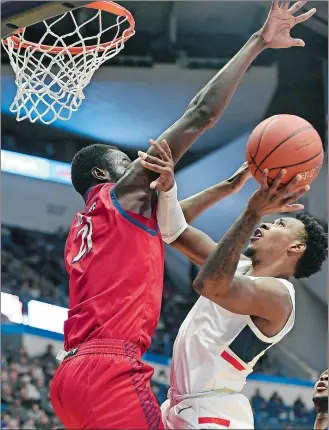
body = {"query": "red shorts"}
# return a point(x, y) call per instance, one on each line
point(105, 385)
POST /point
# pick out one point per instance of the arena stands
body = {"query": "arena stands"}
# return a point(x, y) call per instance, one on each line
point(25, 390)
point(25, 397)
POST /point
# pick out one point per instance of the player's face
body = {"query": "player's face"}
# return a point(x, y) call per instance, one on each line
point(321, 386)
point(276, 238)
point(118, 163)
point(121, 159)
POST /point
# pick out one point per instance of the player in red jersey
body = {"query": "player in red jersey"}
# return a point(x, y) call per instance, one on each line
point(114, 257)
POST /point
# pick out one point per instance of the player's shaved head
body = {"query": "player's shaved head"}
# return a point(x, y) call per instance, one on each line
point(95, 164)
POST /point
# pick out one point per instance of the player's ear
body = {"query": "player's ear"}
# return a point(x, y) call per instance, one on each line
point(296, 247)
point(100, 174)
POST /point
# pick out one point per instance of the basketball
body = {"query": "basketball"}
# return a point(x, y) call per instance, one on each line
point(285, 142)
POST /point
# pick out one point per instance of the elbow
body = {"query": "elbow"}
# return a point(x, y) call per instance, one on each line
point(207, 115)
point(204, 287)
point(210, 288)
point(198, 285)
point(202, 116)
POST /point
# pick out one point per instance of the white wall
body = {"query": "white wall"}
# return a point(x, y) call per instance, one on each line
point(289, 393)
point(309, 337)
point(36, 204)
point(316, 204)
point(36, 345)
point(317, 198)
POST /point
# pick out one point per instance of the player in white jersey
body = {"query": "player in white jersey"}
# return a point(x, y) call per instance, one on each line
point(242, 311)
point(215, 350)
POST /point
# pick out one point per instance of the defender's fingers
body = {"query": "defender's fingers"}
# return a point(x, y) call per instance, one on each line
point(275, 4)
point(154, 160)
point(305, 16)
point(297, 43)
point(285, 4)
point(155, 185)
point(298, 5)
point(154, 167)
point(166, 147)
point(160, 150)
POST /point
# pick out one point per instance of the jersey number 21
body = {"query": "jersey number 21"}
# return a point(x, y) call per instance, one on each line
point(85, 234)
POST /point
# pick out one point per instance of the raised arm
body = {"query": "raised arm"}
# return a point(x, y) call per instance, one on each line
point(202, 113)
point(207, 106)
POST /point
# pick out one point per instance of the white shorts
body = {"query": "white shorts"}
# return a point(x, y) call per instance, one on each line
point(231, 411)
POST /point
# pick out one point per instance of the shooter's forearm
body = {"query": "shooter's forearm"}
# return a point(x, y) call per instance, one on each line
point(195, 205)
point(219, 268)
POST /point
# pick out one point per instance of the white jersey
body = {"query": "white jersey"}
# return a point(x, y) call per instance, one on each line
point(216, 349)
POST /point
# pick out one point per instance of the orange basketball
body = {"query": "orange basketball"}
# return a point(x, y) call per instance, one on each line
point(285, 142)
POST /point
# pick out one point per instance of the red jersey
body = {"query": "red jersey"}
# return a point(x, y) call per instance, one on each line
point(115, 260)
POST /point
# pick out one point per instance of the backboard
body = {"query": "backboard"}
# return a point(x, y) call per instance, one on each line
point(19, 14)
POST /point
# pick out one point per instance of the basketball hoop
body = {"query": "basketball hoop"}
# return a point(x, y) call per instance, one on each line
point(50, 78)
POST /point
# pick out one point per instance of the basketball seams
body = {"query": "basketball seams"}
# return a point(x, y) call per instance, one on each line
point(258, 168)
point(300, 130)
point(253, 161)
point(261, 136)
point(296, 164)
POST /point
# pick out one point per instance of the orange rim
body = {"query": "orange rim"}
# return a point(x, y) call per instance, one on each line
point(106, 6)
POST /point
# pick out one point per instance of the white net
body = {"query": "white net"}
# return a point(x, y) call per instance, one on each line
point(51, 80)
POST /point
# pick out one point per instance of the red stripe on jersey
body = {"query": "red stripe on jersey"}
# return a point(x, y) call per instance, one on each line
point(233, 361)
point(210, 420)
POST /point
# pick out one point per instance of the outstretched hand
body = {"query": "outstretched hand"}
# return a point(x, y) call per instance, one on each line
point(277, 198)
point(276, 30)
point(163, 164)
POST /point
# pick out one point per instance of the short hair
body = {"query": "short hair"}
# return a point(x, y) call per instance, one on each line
point(83, 162)
point(316, 252)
